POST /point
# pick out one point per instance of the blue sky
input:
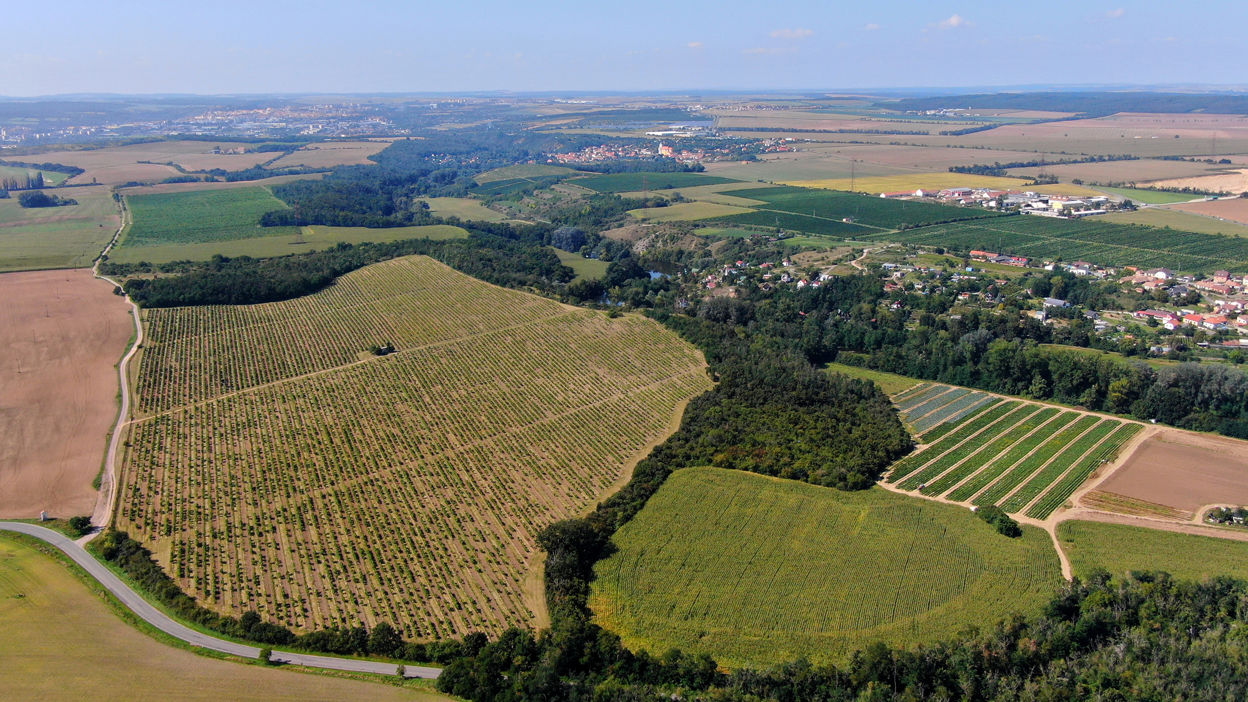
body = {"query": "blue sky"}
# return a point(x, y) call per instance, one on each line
point(224, 46)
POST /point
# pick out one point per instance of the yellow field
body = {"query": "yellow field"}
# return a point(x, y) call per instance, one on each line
point(686, 211)
point(49, 616)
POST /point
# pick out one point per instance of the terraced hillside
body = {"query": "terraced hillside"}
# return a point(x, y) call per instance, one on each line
point(980, 450)
point(286, 469)
point(756, 570)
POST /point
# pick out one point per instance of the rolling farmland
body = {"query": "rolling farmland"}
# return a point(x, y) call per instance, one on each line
point(57, 237)
point(757, 570)
point(282, 467)
point(1026, 457)
point(1098, 241)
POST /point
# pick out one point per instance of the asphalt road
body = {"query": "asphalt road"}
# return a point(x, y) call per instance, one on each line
point(160, 620)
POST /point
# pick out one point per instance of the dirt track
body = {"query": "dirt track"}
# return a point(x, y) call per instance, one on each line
point(62, 332)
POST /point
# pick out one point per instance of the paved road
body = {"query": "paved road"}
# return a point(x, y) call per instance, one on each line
point(158, 619)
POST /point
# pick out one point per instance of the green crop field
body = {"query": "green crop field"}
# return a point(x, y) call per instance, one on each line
point(628, 182)
point(1148, 197)
point(48, 613)
point(756, 570)
point(523, 171)
point(464, 208)
point(890, 383)
point(57, 237)
point(312, 238)
point(276, 464)
point(1120, 548)
point(200, 216)
point(1093, 240)
point(1177, 219)
point(20, 172)
point(586, 268)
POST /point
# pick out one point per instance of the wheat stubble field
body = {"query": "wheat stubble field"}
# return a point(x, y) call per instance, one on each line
point(277, 465)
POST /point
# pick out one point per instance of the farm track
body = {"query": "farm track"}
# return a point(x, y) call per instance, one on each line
point(102, 516)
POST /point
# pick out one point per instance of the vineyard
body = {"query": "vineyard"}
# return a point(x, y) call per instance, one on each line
point(1106, 243)
point(1025, 457)
point(756, 570)
point(284, 470)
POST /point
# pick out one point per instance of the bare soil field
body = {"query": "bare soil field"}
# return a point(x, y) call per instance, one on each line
point(330, 154)
point(187, 187)
point(121, 164)
point(1233, 182)
point(1137, 171)
point(1234, 209)
point(1183, 470)
point(63, 333)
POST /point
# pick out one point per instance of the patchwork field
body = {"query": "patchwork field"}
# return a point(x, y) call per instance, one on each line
point(278, 465)
point(910, 182)
point(47, 614)
point(64, 332)
point(1120, 548)
point(115, 165)
point(311, 238)
point(200, 216)
point(1024, 457)
point(57, 237)
point(1233, 209)
point(1094, 240)
point(756, 570)
point(1184, 470)
point(330, 154)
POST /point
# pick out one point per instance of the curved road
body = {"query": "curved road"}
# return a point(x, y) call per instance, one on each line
point(160, 620)
point(103, 516)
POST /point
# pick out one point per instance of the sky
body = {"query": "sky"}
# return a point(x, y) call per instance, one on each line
point(230, 47)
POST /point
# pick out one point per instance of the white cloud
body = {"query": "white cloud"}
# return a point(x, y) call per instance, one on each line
point(871, 27)
point(953, 22)
point(770, 50)
point(1115, 14)
point(791, 33)
point(694, 45)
